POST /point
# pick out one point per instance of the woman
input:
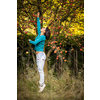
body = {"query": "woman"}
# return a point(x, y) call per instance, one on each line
point(39, 43)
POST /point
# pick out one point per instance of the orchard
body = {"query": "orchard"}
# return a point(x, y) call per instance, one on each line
point(64, 64)
point(65, 19)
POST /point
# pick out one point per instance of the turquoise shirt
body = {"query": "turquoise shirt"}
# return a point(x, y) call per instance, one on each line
point(40, 39)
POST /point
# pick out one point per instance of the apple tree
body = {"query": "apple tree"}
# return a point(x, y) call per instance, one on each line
point(65, 19)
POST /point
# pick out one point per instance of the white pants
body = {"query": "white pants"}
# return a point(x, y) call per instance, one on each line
point(40, 60)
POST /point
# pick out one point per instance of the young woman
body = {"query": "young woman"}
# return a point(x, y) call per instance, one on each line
point(39, 43)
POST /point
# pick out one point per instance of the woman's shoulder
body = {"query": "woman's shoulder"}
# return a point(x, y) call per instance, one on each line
point(40, 36)
point(43, 36)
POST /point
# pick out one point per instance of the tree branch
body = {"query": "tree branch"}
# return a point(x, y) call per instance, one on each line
point(49, 52)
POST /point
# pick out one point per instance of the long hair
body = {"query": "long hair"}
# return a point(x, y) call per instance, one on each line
point(47, 33)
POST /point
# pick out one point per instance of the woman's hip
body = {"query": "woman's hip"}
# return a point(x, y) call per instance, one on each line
point(40, 56)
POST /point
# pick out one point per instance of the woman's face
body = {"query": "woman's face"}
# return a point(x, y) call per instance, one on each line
point(43, 30)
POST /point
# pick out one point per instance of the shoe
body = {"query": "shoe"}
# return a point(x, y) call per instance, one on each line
point(42, 88)
point(39, 86)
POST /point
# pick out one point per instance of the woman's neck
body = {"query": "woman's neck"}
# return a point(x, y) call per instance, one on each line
point(42, 33)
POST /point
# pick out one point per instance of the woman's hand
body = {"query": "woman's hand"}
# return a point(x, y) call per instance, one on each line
point(38, 13)
point(29, 40)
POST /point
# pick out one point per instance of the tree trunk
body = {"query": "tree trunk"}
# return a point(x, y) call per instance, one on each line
point(46, 64)
point(76, 61)
point(28, 58)
point(61, 64)
point(33, 52)
point(45, 67)
point(69, 58)
point(82, 60)
point(33, 58)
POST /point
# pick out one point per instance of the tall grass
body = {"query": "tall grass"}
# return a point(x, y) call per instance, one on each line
point(64, 87)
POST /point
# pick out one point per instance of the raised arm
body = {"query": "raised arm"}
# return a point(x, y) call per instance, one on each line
point(38, 24)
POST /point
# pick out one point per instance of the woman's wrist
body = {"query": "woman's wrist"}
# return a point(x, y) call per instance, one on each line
point(38, 14)
point(29, 40)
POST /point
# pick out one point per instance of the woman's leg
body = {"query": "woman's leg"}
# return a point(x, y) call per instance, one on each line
point(40, 64)
point(41, 72)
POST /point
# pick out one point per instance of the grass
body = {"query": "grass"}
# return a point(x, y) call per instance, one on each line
point(64, 87)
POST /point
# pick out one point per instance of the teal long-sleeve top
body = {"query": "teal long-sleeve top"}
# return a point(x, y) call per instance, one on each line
point(40, 39)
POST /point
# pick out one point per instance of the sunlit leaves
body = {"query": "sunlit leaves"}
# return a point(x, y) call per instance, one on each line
point(62, 17)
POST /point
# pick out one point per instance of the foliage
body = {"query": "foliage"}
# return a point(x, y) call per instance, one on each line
point(63, 18)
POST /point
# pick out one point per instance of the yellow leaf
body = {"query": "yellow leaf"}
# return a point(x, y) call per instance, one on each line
point(42, 0)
